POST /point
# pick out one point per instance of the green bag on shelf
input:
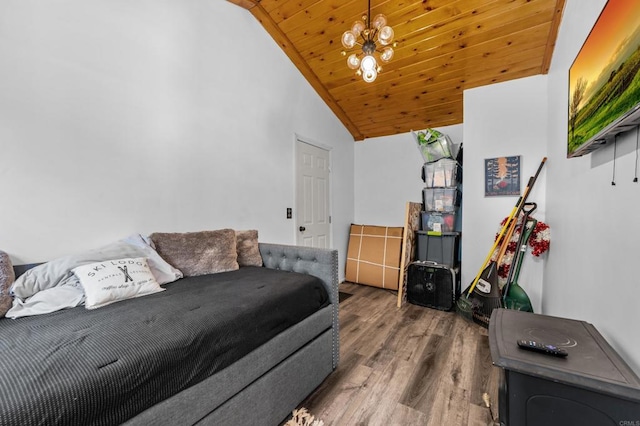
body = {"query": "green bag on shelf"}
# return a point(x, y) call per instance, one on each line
point(433, 145)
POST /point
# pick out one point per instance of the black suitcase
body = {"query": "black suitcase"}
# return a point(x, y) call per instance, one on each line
point(432, 285)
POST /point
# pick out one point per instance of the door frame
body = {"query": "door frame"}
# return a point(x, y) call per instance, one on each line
point(302, 139)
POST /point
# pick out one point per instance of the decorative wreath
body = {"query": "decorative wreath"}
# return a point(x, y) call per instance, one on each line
point(539, 242)
point(540, 239)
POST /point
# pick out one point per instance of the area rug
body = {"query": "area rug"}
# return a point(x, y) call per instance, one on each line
point(302, 417)
point(343, 296)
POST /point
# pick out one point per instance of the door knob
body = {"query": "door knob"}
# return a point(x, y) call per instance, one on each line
point(302, 229)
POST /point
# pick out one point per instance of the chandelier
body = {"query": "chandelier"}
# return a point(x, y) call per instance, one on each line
point(375, 30)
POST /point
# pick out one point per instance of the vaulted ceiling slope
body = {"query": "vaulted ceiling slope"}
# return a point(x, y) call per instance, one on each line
point(444, 47)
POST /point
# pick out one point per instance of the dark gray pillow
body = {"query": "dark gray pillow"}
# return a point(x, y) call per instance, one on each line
point(247, 247)
point(198, 253)
point(7, 277)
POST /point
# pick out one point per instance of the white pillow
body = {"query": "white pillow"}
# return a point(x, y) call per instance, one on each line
point(58, 271)
point(113, 280)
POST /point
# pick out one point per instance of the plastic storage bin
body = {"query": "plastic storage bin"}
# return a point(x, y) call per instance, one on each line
point(436, 222)
point(442, 249)
point(433, 145)
point(440, 199)
point(445, 173)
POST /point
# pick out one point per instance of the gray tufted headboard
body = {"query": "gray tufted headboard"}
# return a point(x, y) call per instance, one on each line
point(321, 263)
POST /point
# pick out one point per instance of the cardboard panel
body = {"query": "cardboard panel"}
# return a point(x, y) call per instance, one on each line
point(373, 255)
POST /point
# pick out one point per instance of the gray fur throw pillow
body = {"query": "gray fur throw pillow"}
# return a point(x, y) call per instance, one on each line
point(198, 253)
point(7, 277)
point(248, 250)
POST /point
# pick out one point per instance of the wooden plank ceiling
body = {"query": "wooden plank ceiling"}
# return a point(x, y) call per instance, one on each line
point(444, 47)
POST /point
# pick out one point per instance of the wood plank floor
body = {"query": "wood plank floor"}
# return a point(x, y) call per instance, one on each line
point(407, 366)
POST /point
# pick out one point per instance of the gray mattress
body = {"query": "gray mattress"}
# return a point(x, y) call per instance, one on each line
point(104, 366)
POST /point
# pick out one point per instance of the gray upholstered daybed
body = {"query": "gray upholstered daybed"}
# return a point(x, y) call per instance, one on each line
point(191, 386)
point(264, 386)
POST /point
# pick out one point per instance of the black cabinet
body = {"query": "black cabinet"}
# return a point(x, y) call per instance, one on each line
point(592, 386)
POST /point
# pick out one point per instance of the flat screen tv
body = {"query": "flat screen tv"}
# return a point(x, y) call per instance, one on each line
point(604, 82)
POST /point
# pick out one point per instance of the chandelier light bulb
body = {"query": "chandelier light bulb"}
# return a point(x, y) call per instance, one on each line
point(387, 54)
point(348, 39)
point(357, 28)
point(385, 36)
point(379, 21)
point(369, 75)
point(353, 61)
point(368, 63)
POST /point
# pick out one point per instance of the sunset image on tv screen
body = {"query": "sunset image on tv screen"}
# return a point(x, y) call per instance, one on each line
point(604, 83)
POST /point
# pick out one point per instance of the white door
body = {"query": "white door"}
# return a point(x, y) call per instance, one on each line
point(313, 223)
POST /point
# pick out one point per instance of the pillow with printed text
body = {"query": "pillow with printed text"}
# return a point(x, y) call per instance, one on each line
point(114, 280)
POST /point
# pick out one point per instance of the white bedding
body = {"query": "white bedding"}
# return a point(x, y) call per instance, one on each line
point(53, 285)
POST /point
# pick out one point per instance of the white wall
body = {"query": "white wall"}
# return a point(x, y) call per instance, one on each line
point(503, 120)
point(128, 116)
point(593, 269)
point(388, 174)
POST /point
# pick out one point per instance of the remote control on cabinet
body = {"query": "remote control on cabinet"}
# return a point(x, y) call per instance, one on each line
point(542, 348)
